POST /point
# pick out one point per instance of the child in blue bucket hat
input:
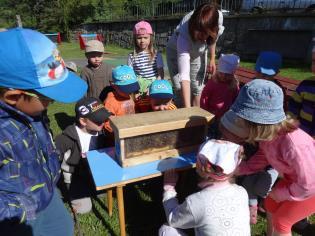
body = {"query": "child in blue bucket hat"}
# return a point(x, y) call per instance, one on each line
point(121, 101)
point(32, 75)
point(288, 149)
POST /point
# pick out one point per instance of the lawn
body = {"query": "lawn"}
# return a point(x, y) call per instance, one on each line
point(143, 208)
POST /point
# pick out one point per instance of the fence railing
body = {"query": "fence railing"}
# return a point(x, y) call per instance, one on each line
point(157, 9)
point(245, 6)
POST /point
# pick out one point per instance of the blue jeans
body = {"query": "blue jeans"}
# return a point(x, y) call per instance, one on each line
point(52, 221)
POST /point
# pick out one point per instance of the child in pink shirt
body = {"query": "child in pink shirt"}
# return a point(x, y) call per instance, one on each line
point(288, 149)
point(222, 89)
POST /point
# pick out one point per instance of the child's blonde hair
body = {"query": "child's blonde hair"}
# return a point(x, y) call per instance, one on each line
point(151, 49)
point(263, 132)
point(234, 83)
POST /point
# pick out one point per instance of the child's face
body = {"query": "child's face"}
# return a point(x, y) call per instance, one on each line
point(143, 41)
point(120, 92)
point(225, 77)
point(32, 103)
point(95, 58)
point(90, 125)
point(160, 104)
point(228, 136)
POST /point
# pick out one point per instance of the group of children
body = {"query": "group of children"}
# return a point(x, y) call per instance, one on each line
point(248, 120)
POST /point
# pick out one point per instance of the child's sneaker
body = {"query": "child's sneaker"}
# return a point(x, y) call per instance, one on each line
point(253, 214)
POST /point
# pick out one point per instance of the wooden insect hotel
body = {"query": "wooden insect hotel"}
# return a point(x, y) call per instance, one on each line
point(151, 136)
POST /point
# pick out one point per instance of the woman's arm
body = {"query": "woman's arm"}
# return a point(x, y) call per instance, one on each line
point(183, 60)
point(186, 96)
point(212, 66)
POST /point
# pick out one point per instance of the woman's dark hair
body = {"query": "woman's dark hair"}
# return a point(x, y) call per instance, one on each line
point(205, 19)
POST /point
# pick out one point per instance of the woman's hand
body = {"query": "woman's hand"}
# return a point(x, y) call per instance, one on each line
point(212, 67)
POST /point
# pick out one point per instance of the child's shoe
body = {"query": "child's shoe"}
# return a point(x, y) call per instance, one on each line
point(253, 214)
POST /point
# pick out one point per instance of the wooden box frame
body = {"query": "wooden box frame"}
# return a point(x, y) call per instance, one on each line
point(143, 128)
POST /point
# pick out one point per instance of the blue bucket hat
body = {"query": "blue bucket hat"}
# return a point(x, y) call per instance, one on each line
point(260, 101)
point(268, 63)
point(161, 89)
point(125, 78)
point(29, 60)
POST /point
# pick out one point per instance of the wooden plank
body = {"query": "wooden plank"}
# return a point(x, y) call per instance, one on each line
point(161, 141)
point(107, 173)
point(154, 156)
point(245, 75)
point(153, 122)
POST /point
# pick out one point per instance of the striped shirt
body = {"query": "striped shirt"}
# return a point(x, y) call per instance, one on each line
point(143, 66)
point(302, 106)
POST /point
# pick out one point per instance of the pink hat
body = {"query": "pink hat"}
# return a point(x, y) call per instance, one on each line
point(142, 27)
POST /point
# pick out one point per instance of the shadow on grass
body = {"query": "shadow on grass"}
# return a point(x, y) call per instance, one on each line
point(101, 218)
point(63, 120)
point(143, 207)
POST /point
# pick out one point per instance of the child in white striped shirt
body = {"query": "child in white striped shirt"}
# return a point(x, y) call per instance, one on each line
point(145, 60)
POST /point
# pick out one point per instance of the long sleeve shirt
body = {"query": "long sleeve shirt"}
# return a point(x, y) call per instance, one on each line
point(118, 106)
point(302, 105)
point(293, 156)
point(221, 209)
point(218, 97)
point(96, 78)
point(29, 165)
point(187, 49)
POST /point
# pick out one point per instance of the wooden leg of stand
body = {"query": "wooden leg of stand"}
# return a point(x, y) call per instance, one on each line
point(121, 210)
point(110, 202)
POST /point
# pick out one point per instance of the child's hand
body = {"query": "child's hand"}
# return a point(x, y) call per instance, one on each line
point(170, 177)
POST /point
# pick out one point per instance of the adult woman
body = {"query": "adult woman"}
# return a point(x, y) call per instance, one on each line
point(187, 51)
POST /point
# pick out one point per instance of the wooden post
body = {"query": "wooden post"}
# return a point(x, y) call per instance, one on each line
point(19, 21)
point(121, 210)
point(110, 201)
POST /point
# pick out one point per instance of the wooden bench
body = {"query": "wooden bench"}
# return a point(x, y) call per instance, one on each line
point(245, 75)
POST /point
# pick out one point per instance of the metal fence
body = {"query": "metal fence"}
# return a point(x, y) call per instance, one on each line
point(159, 9)
point(246, 6)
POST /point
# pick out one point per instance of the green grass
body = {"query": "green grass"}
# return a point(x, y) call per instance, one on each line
point(143, 207)
point(293, 71)
point(117, 55)
point(72, 51)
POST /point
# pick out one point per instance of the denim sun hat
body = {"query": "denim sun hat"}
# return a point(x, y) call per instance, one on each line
point(260, 101)
point(268, 63)
point(125, 78)
point(29, 60)
point(161, 89)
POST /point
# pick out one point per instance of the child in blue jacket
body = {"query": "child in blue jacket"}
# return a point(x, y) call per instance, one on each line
point(32, 75)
